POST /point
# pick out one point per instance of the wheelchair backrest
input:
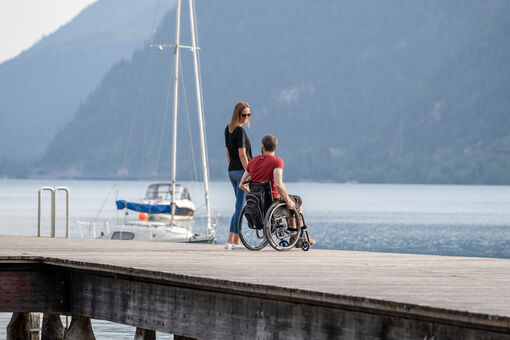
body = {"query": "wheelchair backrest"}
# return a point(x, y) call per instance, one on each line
point(257, 203)
point(265, 187)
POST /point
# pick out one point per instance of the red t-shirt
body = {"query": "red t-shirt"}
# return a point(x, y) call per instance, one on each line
point(261, 169)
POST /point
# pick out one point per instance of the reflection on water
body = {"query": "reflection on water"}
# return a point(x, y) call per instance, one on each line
point(419, 219)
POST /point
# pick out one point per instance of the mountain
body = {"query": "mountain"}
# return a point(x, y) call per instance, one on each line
point(41, 88)
point(368, 91)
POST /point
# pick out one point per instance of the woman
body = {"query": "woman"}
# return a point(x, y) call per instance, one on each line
point(238, 154)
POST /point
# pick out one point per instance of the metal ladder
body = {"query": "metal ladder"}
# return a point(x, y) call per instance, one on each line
point(53, 209)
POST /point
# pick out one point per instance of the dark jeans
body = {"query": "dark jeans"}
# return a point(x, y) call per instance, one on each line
point(235, 178)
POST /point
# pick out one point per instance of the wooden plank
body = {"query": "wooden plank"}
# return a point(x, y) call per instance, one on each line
point(474, 285)
point(213, 315)
point(441, 294)
point(32, 288)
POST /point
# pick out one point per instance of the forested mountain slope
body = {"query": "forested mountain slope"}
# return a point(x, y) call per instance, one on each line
point(41, 88)
point(369, 91)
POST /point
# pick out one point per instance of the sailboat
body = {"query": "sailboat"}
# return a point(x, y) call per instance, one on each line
point(166, 214)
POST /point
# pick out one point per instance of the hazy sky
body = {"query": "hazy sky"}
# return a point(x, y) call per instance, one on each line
point(24, 22)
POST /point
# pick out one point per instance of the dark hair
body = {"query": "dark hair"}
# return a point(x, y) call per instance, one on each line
point(270, 143)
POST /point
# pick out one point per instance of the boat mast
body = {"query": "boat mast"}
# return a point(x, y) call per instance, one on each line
point(200, 114)
point(176, 93)
point(194, 48)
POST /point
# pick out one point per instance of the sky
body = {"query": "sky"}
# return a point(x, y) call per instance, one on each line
point(24, 22)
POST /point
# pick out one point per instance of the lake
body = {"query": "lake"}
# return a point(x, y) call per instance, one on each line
point(451, 220)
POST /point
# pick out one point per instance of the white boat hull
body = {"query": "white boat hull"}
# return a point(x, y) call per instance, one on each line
point(158, 232)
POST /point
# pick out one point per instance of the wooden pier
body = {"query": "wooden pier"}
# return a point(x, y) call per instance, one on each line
point(207, 292)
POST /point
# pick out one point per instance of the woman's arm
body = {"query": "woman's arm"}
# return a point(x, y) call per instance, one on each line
point(228, 157)
point(243, 157)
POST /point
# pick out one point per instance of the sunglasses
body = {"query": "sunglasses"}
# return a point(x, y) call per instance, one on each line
point(244, 115)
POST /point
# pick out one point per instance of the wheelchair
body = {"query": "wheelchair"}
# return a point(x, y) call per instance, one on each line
point(276, 229)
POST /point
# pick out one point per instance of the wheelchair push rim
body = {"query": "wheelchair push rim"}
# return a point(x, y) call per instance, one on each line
point(276, 225)
point(252, 239)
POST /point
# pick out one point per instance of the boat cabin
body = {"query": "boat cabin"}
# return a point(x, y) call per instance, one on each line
point(163, 192)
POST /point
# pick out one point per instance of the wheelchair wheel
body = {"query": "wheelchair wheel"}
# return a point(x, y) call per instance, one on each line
point(253, 239)
point(305, 246)
point(276, 227)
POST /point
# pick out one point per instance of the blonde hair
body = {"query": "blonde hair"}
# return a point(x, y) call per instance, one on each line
point(238, 109)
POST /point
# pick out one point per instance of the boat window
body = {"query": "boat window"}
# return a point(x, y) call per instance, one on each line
point(118, 235)
point(164, 192)
point(152, 192)
point(185, 194)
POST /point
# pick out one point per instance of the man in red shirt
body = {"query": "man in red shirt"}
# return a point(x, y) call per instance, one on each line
point(268, 167)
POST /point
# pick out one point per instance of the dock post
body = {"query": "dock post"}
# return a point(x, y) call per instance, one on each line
point(182, 337)
point(23, 326)
point(52, 328)
point(80, 329)
point(145, 334)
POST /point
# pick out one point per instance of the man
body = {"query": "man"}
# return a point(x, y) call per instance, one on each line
point(268, 167)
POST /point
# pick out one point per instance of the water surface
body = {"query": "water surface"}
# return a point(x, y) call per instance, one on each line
point(449, 220)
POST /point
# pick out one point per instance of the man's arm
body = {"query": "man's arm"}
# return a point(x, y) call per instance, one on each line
point(280, 187)
point(244, 186)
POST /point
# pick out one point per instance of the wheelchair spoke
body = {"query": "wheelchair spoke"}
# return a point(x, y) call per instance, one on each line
point(252, 238)
point(277, 223)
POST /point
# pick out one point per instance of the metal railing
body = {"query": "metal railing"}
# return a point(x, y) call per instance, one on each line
point(53, 209)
